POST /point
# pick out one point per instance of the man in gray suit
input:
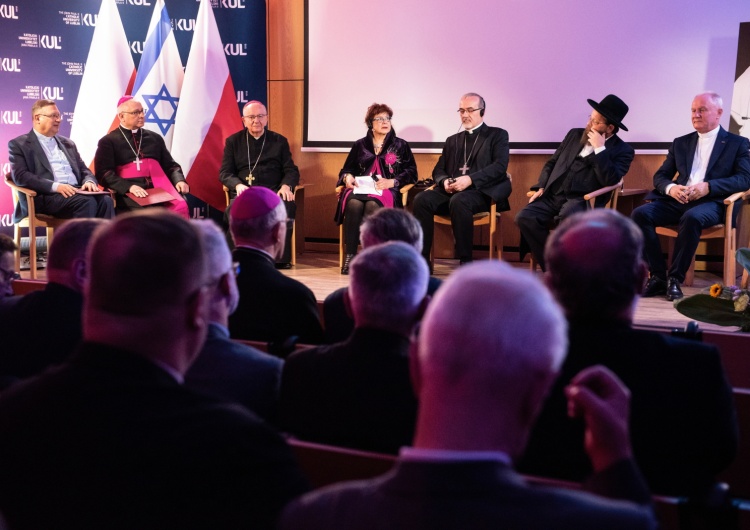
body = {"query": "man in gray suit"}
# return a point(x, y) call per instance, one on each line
point(482, 367)
point(50, 165)
point(225, 368)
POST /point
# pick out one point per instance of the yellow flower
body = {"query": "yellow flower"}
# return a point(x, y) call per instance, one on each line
point(715, 290)
point(741, 303)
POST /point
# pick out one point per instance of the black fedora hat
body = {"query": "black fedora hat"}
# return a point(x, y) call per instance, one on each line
point(612, 108)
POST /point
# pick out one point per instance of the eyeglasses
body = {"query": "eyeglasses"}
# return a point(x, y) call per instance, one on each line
point(468, 111)
point(9, 276)
point(596, 122)
point(255, 117)
point(134, 112)
point(382, 119)
point(51, 116)
point(236, 269)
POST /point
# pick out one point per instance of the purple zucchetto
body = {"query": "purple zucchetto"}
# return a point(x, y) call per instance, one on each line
point(256, 201)
point(123, 99)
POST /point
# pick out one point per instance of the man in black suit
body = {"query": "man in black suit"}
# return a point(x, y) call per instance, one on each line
point(357, 393)
point(682, 420)
point(470, 173)
point(701, 169)
point(43, 328)
point(481, 367)
point(112, 439)
point(272, 307)
point(226, 368)
point(256, 156)
point(586, 160)
point(50, 165)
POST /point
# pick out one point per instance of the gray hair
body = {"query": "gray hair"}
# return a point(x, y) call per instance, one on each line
point(391, 224)
point(387, 282)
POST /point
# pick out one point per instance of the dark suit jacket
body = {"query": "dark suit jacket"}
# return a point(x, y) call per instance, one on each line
point(476, 495)
point(31, 168)
point(682, 419)
point(728, 168)
point(275, 168)
point(39, 329)
point(237, 373)
point(110, 440)
point(272, 307)
point(604, 169)
point(491, 155)
point(355, 393)
point(338, 324)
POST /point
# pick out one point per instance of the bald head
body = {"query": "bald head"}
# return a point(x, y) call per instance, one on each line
point(66, 262)
point(492, 339)
point(594, 265)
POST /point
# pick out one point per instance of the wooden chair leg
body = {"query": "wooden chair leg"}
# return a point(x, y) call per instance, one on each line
point(17, 239)
point(32, 252)
point(341, 246)
point(294, 243)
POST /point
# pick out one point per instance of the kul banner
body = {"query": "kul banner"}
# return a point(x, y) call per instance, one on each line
point(51, 49)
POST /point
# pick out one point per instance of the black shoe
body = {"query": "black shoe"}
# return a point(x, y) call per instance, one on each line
point(673, 290)
point(347, 260)
point(655, 287)
point(284, 266)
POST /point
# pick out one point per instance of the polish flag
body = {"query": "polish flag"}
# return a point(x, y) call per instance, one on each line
point(109, 73)
point(208, 111)
point(160, 75)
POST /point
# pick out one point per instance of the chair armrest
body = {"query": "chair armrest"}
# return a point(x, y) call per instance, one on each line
point(26, 191)
point(602, 191)
point(734, 197)
point(406, 188)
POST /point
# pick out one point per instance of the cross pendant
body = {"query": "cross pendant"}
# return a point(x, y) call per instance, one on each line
point(250, 178)
point(464, 169)
point(138, 163)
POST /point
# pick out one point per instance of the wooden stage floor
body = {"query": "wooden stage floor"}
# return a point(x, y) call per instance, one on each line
point(320, 272)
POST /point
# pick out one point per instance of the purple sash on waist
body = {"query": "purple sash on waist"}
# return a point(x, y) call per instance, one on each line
point(151, 168)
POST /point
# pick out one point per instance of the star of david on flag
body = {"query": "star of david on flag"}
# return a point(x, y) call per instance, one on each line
point(161, 109)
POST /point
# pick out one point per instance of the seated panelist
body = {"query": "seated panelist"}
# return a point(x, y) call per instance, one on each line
point(384, 157)
point(131, 159)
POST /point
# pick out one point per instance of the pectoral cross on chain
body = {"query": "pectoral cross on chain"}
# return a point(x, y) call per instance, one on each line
point(464, 169)
point(138, 163)
point(250, 178)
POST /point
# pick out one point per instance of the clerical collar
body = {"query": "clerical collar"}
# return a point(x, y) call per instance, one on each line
point(471, 131)
point(710, 134)
point(259, 137)
point(131, 130)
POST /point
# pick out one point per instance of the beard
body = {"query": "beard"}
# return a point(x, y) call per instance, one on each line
point(585, 137)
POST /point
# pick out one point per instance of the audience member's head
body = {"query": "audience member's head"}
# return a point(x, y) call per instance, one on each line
point(594, 265)
point(66, 259)
point(388, 287)
point(491, 344)
point(225, 295)
point(146, 291)
point(257, 219)
point(7, 265)
point(391, 224)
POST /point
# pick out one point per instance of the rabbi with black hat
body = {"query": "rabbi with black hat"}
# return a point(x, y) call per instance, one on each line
point(587, 159)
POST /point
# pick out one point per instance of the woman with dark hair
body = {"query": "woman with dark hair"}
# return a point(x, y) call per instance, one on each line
point(385, 158)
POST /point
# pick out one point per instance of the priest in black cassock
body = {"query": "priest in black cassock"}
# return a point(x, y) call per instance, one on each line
point(470, 173)
point(256, 156)
point(131, 159)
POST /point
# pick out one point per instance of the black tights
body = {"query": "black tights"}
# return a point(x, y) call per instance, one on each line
point(356, 210)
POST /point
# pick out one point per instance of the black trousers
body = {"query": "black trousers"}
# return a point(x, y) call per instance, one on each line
point(460, 206)
point(536, 218)
point(691, 219)
point(77, 206)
